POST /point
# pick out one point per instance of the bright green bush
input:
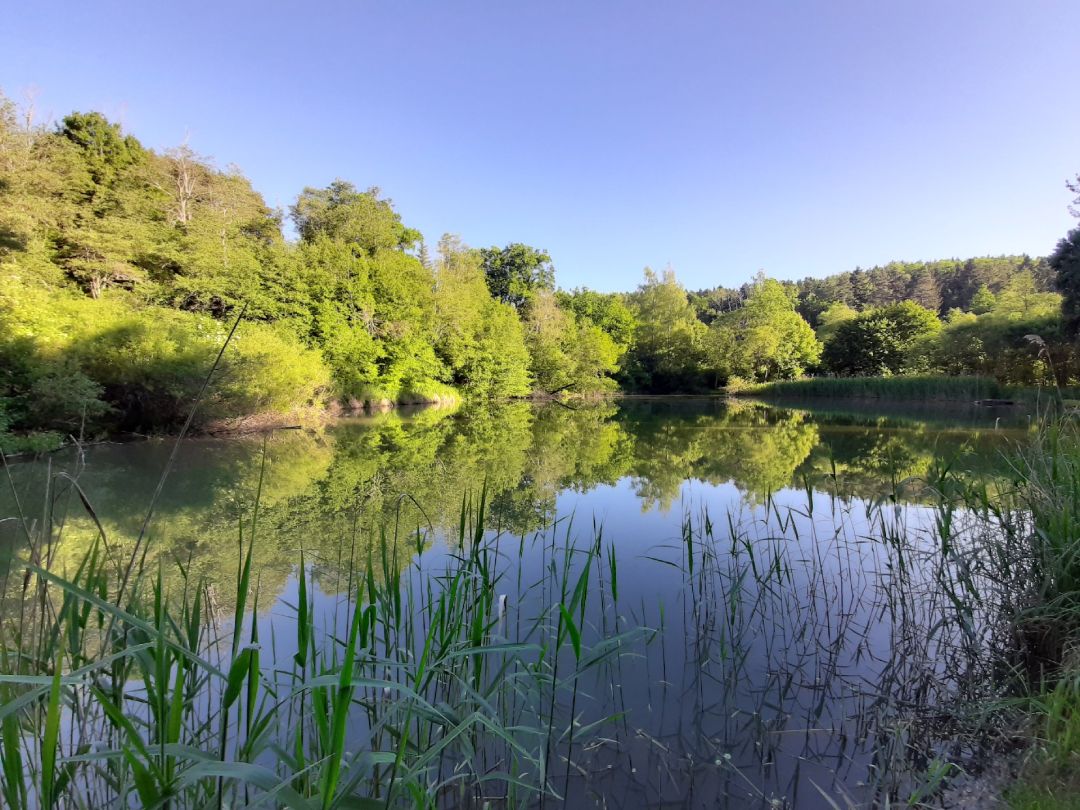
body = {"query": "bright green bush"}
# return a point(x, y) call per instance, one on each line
point(268, 370)
point(71, 360)
point(1020, 340)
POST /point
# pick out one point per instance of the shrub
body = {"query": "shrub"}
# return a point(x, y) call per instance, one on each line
point(66, 358)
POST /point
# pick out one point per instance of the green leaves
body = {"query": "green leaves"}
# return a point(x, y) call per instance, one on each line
point(765, 339)
point(50, 774)
point(881, 341)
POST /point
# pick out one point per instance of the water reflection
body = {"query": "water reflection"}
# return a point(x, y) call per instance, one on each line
point(805, 641)
point(322, 486)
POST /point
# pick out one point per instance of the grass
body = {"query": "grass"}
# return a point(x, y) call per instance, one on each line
point(1050, 626)
point(904, 388)
point(1050, 778)
point(508, 670)
point(410, 688)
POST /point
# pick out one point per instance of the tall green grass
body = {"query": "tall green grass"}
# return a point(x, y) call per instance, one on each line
point(904, 388)
point(1032, 530)
point(411, 689)
point(395, 677)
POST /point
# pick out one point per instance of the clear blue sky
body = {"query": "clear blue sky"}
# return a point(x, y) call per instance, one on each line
point(797, 137)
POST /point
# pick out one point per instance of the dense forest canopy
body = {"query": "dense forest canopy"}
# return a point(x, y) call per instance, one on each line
point(124, 268)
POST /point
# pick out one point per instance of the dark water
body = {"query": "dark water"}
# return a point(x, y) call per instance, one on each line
point(797, 656)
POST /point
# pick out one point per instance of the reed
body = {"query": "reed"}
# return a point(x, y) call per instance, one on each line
point(914, 388)
point(410, 689)
point(508, 670)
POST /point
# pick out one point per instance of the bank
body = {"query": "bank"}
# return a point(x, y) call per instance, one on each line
point(923, 387)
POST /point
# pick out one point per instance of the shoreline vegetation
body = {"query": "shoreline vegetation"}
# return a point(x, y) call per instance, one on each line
point(914, 388)
point(155, 293)
point(124, 268)
point(120, 688)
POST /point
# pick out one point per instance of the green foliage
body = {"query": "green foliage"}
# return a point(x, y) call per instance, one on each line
point(608, 311)
point(1049, 778)
point(480, 340)
point(764, 340)
point(71, 361)
point(173, 247)
point(1018, 341)
point(516, 272)
point(983, 301)
point(939, 286)
point(567, 353)
point(668, 349)
point(548, 330)
point(360, 218)
point(500, 365)
point(831, 319)
point(107, 150)
point(1065, 262)
point(883, 341)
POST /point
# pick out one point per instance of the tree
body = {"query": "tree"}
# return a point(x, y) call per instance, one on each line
point(607, 311)
point(1021, 299)
point(188, 179)
point(983, 300)
point(500, 366)
point(1065, 261)
point(1065, 264)
point(862, 288)
point(481, 340)
point(461, 299)
point(710, 304)
point(668, 348)
point(548, 334)
point(108, 151)
point(882, 341)
point(595, 357)
point(765, 340)
point(923, 289)
point(361, 218)
point(831, 318)
point(516, 272)
point(997, 343)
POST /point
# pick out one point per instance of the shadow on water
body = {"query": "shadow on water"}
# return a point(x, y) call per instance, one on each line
point(792, 631)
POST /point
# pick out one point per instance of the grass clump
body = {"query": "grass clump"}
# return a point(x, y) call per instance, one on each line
point(1048, 473)
point(1050, 779)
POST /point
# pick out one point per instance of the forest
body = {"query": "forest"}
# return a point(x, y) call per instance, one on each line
point(124, 271)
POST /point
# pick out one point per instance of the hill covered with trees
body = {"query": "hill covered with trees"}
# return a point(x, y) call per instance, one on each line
point(124, 269)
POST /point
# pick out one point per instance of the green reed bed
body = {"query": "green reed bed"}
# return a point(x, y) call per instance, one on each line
point(904, 388)
point(1048, 490)
point(518, 671)
point(408, 689)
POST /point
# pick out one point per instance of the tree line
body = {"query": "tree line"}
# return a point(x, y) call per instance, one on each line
point(123, 269)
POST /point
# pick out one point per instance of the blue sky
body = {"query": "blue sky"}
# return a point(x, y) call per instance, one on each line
point(801, 138)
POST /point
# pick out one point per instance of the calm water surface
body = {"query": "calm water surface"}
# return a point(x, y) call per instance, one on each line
point(796, 650)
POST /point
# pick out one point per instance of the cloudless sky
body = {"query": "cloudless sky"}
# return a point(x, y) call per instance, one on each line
point(798, 137)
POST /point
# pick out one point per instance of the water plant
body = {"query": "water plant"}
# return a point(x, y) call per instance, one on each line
point(772, 655)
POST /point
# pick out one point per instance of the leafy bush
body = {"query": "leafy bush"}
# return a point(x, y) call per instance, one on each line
point(68, 359)
point(881, 341)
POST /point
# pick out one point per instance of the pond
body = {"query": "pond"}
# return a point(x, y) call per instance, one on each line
point(755, 606)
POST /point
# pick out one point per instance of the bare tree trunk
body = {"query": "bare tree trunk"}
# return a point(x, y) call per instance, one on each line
point(185, 180)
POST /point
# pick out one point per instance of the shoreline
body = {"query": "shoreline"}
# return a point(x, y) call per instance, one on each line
point(258, 423)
